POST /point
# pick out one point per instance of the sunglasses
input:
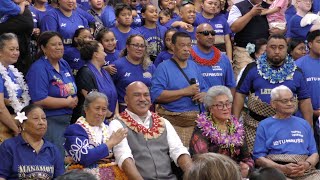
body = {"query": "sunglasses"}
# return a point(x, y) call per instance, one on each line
point(206, 33)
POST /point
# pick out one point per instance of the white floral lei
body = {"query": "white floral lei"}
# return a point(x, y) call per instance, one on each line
point(12, 88)
point(91, 133)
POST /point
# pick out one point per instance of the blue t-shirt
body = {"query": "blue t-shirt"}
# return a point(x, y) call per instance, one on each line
point(18, 160)
point(43, 81)
point(108, 17)
point(111, 57)
point(310, 68)
point(219, 24)
point(252, 82)
point(316, 7)
point(128, 73)
point(219, 74)
point(164, 55)
point(56, 21)
point(8, 7)
point(291, 11)
point(284, 136)
point(122, 37)
point(84, 4)
point(3, 88)
point(72, 56)
point(37, 16)
point(154, 37)
point(295, 31)
point(168, 77)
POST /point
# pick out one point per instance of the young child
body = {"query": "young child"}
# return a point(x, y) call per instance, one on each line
point(108, 41)
point(168, 49)
point(164, 16)
point(151, 31)
point(276, 14)
point(11, 8)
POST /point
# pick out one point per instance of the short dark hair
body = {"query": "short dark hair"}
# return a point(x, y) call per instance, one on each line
point(266, 173)
point(277, 36)
point(293, 43)
point(101, 33)
point(29, 108)
point(165, 35)
point(120, 7)
point(44, 39)
point(88, 49)
point(76, 34)
point(313, 35)
point(179, 34)
point(258, 44)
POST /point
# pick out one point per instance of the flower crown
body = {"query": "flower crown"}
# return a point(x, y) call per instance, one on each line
point(21, 117)
point(250, 48)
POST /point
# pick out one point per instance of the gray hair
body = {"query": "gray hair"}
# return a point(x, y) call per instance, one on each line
point(275, 92)
point(6, 37)
point(77, 174)
point(215, 91)
point(92, 96)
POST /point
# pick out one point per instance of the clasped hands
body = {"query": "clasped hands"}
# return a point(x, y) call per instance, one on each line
point(295, 170)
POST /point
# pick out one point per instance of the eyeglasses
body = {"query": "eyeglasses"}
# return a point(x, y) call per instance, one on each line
point(137, 46)
point(221, 106)
point(206, 33)
point(186, 2)
point(286, 101)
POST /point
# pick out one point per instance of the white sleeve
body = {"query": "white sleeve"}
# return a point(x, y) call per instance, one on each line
point(121, 151)
point(234, 14)
point(176, 147)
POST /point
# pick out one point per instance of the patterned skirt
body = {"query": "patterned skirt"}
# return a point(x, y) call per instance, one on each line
point(183, 122)
point(109, 171)
point(311, 174)
point(250, 124)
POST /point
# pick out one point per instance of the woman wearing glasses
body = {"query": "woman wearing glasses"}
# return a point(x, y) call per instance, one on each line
point(134, 65)
point(219, 132)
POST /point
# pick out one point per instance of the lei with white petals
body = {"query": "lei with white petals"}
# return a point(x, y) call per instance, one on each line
point(91, 133)
point(12, 88)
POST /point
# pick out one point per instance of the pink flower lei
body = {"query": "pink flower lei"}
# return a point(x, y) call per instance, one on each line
point(234, 137)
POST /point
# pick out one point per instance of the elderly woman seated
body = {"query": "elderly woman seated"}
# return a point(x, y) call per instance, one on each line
point(286, 142)
point(89, 141)
point(219, 132)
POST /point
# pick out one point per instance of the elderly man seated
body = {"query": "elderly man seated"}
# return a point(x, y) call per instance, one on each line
point(151, 142)
point(286, 142)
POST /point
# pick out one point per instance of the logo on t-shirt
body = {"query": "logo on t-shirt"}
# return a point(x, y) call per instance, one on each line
point(127, 74)
point(63, 25)
point(147, 75)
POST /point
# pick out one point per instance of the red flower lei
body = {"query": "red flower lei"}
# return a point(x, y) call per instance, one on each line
point(155, 131)
point(202, 61)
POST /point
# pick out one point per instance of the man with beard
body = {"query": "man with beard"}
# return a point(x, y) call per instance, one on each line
point(215, 66)
point(151, 142)
point(178, 86)
point(272, 69)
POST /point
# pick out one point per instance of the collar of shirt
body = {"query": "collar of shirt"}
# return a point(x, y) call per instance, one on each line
point(145, 123)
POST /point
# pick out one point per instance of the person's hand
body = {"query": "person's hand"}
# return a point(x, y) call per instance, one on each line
point(192, 90)
point(303, 167)
point(36, 32)
point(199, 97)
point(256, 10)
point(244, 168)
point(117, 137)
point(25, 3)
point(72, 101)
point(291, 169)
point(185, 25)
point(111, 69)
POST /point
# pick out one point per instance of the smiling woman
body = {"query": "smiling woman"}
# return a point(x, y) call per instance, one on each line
point(52, 86)
point(90, 142)
point(13, 89)
point(134, 65)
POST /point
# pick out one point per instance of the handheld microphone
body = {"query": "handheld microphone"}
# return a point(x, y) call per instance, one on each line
point(193, 81)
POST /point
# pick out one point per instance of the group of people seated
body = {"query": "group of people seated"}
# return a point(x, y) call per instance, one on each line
point(121, 91)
